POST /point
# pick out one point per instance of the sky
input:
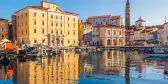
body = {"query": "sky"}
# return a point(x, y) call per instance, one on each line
point(153, 11)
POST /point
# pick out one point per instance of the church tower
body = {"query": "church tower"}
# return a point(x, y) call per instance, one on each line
point(127, 15)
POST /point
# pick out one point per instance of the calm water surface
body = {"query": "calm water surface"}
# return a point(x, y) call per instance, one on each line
point(67, 67)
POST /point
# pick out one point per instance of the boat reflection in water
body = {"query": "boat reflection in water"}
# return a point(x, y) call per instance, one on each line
point(67, 67)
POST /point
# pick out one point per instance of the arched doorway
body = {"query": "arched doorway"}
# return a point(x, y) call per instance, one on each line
point(120, 42)
point(108, 42)
point(114, 42)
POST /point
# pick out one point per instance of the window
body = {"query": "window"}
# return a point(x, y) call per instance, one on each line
point(34, 30)
point(68, 25)
point(43, 23)
point(74, 19)
point(51, 16)
point(68, 32)
point(56, 24)
point(61, 32)
point(35, 14)
point(114, 32)
point(35, 41)
point(26, 22)
point(56, 32)
point(26, 31)
point(74, 41)
point(74, 32)
point(51, 23)
point(93, 35)
point(2, 36)
point(26, 14)
point(51, 31)
point(119, 32)
point(43, 15)
point(74, 25)
point(43, 31)
point(68, 18)
point(22, 31)
point(34, 22)
point(68, 41)
point(61, 17)
point(108, 32)
point(43, 41)
point(61, 24)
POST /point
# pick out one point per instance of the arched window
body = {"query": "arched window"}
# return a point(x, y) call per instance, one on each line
point(114, 42)
point(108, 42)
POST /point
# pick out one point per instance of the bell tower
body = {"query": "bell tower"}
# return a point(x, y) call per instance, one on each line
point(127, 15)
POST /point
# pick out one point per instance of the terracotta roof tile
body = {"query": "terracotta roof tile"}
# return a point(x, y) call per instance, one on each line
point(1, 19)
point(42, 8)
point(86, 23)
point(107, 25)
point(71, 13)
point(103, 16)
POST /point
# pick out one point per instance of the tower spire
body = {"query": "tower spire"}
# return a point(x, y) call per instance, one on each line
point(165, 20)
point(127, 15)
point(128, 3)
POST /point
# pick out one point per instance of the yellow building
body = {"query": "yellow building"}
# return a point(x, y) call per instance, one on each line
point(3, 28)
point(47, 24)
point(64, 69)
point(85, 33)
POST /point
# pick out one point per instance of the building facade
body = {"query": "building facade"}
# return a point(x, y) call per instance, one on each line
point(46, 24)
point(165, 34)
point(4, 27)
point(111, 35)
point(95, 36)
point(85, 33)
point(105, 19)
point(108, 35)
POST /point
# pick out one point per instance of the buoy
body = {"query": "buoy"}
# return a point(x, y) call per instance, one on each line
point(9, 47)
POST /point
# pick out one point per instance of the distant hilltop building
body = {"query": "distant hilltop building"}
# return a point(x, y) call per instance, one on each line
point(140, 23)
point(46, 24)
point(105, 19)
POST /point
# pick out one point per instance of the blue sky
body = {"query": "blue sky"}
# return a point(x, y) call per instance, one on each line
point(153, 11)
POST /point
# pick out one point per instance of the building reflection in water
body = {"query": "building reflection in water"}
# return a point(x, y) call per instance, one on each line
point(62, 69)
point(107, 62)
point(66, 67)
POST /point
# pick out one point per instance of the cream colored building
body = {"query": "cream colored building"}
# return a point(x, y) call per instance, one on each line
point(110, 35)
point(3, 29)
point(47, 24)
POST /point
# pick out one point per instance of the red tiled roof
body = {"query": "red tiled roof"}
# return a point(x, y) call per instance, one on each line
point(86, 22)
point(42, 8)
point(116, 17)
point(1, 19)
point(103, 16)
point(71, 13)
point(107, 25)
